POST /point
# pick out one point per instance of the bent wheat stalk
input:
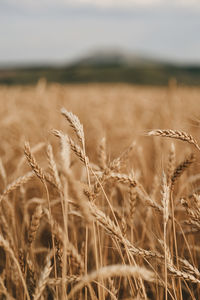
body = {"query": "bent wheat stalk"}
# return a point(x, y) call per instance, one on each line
point(175, 134)
point(114, 270)
point(17, 183)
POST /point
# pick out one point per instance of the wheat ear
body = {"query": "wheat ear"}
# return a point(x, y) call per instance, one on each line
point(16, 183)
point(115, 231)
point(123, 178)
point(32, 162)
point(181, 168)
point(68, 279)
point(74, 147)
point(53, 167)
point(35, 222)
point(102, 157)
point(176, 134)
point(74, 123)
point(171, 163)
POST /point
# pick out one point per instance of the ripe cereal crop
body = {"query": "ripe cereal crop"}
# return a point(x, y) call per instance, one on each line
point(99, 192)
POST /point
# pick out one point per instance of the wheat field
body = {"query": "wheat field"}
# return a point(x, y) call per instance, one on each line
point(99, 192)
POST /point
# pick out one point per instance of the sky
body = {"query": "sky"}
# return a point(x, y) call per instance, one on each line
point(61, 31)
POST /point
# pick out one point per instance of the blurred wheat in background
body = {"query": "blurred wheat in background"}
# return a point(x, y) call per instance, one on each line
point(99, 192)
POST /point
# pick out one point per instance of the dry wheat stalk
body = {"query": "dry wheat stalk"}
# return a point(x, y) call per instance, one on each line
point(114, 230)
point(102, 157)
point(17, 183)
point(171, 163)
point(132, 200)
point(3, 172)
point(53, 167)
point(78, 128)
point(124, 226)
point(167, 252)
point(65, 149)
point(194, 224)
point(56, 229)
point(40, 174)
point(32, 162)
point(132, 197)
point(113, 270)
point(72, 251)
point(7, 232)
point(182, 275)
point(143, 194)
point(193, 215)
point(8, 249)
point(165, 200)
point(75, 148)
point(77, 195)
point(59, 233)
point(44, 276)
point(189, 268)
point(98, 185)
point(123, 178)
point(21, 257)
point(112, 287)
point(68, 279)
point(115, 165)
point(176, 134)
point(75, 124)
point(165, 203)
point(35, 222)
point(181, 168)
point(30, 276)
point(78, 151)
point(3, 291)
point(50, 179)
point(34, 149)
point(155, 186)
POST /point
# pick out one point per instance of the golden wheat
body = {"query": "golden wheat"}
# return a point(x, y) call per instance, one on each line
point(113, 218)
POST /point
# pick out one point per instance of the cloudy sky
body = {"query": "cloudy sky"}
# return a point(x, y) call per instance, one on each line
point(57, 31)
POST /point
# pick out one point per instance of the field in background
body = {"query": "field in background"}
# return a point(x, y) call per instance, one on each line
point(115, 217)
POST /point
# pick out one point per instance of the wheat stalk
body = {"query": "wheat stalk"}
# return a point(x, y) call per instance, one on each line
point(74, 123)
point(8, 249)
point(16, 184)
point(171, 163)
point(165, 202)
point(114, 270)
point(53, 167)
point(175, 134)
point(44, 276)
point(35, 222)
point(181, 168)
point(114, 230)
point(68, 279)
point(123, 178)
point(102, 157)
point(32, 162)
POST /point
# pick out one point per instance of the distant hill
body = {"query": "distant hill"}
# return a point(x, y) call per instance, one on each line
point(106, 66)
point(117, 58)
